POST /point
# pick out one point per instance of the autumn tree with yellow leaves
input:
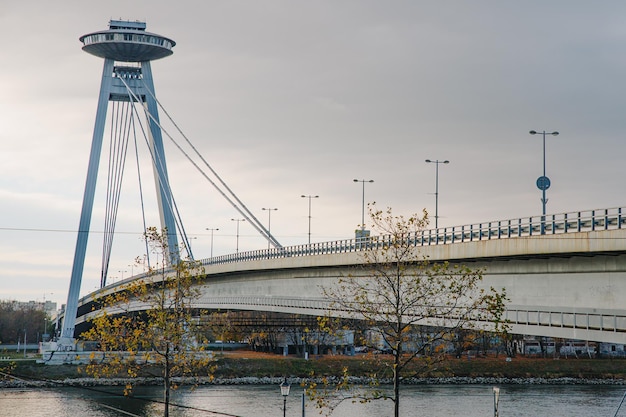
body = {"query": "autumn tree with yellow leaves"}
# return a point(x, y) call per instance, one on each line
point(149, 325)
point(413, 307)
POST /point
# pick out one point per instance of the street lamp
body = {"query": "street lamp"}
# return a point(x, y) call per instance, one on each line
point(310, 197)
point(543, 182)
point(496, 400)
point(284, 391)
point(269, 223)
point(122, 272)
point(45, 317)
point(238, 221)
point(212, 230)
point(363, 203)
point(437, 162)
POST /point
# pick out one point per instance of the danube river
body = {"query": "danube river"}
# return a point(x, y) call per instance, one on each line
point(266, 401)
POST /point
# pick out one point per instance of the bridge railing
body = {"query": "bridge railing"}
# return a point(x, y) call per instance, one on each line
point(580, 221)
point(596, 320)
point(603, 321)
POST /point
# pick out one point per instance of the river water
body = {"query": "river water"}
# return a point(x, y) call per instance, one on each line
point(266, 401)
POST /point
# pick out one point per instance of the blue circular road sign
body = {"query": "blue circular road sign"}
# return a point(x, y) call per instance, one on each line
point(543, 183)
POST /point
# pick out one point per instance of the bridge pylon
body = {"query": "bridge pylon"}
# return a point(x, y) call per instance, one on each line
point(127, 50)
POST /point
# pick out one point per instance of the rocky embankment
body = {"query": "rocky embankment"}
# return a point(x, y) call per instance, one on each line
point(250, 368)
point(91, 382)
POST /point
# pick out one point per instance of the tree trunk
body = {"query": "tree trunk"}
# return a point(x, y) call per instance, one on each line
point(166, 387)
point(396, 392)
point(396, 380)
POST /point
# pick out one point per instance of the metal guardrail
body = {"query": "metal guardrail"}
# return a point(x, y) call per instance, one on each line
point(581, 221)
point(604, 321)
point(581, 320)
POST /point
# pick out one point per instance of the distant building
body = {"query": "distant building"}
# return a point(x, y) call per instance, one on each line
point(47, 306)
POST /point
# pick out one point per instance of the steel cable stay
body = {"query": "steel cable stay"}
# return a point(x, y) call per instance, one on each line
point(140, 185)
point(256, 224)
point(118, 148)
point(122, 125)
point(106, 245)
point(163, 184)
point(246, 214)
point(239, 205)
point(133, 98)
point(119, 169)
point(121, 152)
point(105, 238)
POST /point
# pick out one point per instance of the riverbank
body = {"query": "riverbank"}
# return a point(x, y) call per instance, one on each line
point(246, 368)
point(200, 381)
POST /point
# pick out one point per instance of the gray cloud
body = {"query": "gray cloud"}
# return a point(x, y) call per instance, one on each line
point(290, 98)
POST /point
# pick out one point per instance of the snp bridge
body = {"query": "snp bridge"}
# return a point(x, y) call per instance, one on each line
point(565, 274)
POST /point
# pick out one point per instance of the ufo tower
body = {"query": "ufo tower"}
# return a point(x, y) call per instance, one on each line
point(127, 50)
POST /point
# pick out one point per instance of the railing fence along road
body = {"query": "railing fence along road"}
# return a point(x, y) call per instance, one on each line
point(581, 221)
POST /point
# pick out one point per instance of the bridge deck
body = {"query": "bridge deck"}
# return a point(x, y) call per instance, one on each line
point(568, 282)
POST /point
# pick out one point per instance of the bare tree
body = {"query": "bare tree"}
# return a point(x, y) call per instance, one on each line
point(149, 324)
point(17, 318)
point(412, 306)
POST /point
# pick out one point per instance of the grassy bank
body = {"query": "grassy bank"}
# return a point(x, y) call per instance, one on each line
point(481, 367)
point(251, 365)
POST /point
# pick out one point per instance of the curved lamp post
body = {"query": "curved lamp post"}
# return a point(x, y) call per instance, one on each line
point(212, 230)
point(543, 182)
point(309, 197)
point(363, 202)
point(269, 222)
point(238, 221)
point(284, 391)
point(437, 162)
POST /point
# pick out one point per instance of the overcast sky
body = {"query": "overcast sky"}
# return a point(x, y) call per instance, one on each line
point(285, 98)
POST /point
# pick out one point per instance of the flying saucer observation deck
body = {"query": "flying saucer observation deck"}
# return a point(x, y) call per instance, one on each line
point(127, 42)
